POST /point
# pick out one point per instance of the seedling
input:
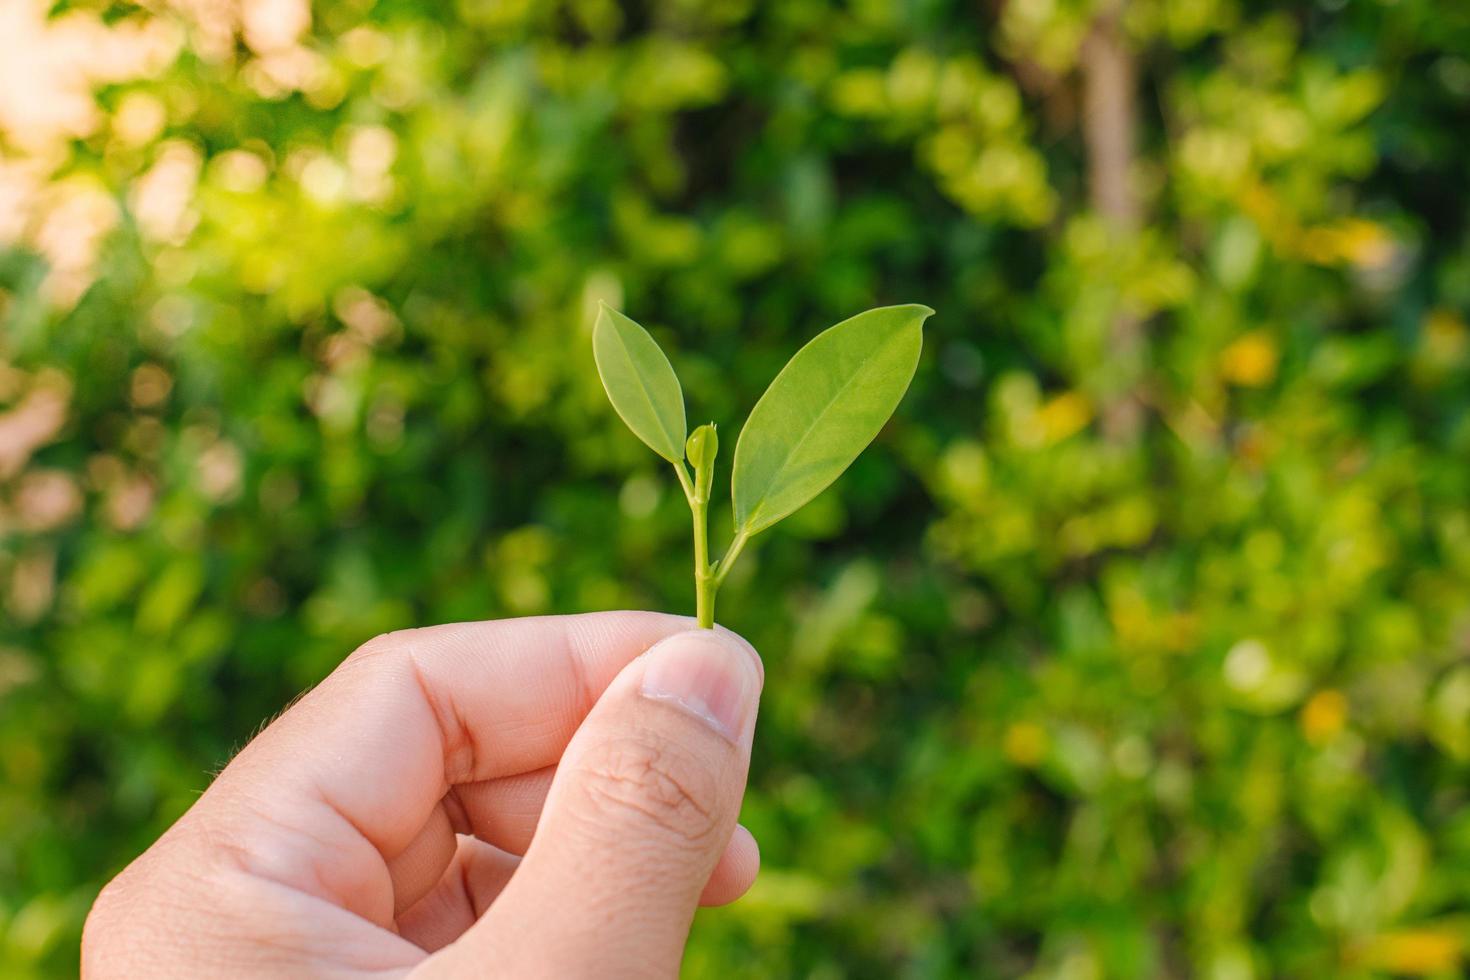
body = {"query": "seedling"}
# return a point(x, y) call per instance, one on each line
point(820, 412)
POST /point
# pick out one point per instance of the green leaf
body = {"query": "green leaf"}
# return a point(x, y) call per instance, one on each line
point(640, 383)
point(825, 406)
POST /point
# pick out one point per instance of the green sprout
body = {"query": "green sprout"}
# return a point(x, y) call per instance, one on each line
point(829, 401)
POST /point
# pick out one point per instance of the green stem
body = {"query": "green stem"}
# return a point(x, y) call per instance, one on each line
point(700, 449)
point(684, 482)
point(704, 585)
point(704, 580)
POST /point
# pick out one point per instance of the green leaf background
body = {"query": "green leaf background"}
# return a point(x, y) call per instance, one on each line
point(1135, 646)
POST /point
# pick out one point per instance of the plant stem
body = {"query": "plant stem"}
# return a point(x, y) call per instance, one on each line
point(700, 449)
point(683, 472)
point(704, 584)
point(704, 579)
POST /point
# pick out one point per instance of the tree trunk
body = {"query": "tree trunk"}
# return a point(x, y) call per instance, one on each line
point(1109, 121)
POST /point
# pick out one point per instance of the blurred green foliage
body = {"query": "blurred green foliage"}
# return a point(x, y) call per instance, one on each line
point(1138, 644)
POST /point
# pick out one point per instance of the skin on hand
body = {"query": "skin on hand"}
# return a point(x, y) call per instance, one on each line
point(524, 798)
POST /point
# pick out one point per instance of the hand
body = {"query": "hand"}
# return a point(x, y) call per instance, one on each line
point(375, 826)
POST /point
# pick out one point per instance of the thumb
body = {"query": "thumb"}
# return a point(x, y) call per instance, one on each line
point(642, 806)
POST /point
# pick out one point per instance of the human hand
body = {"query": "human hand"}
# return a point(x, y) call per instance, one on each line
point(375, 826)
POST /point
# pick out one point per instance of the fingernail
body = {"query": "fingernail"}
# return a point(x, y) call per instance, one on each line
point(710, 676)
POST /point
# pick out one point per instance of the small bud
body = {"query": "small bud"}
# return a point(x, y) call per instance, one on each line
point(700, 451)
point(702, 446)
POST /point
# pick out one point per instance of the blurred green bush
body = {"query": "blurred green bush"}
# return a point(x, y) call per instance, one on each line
point(1137, 646)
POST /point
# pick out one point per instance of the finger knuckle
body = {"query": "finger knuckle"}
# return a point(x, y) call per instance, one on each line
point(638, 781)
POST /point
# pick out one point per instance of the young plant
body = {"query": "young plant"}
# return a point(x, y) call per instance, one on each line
point(820, 412)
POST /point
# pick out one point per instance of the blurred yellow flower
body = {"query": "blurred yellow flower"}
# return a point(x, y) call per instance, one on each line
point(1063, 416)
point(1250, 361)
point(1365, 244)
point(1417, 952)
point(1025, 743)
point(1324, 716)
